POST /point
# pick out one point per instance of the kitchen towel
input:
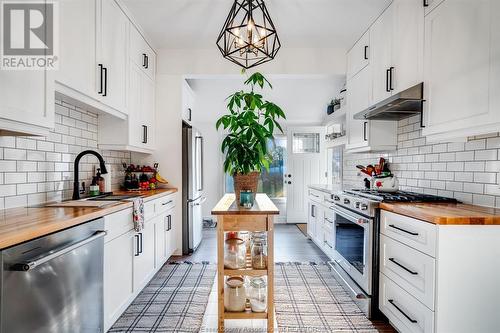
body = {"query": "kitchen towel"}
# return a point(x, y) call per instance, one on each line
point(138, 214)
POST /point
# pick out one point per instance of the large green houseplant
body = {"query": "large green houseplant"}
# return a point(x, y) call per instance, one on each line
point(250, 123)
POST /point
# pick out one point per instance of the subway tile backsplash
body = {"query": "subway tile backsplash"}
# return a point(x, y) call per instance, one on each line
point(467, 171)
point(35, 170)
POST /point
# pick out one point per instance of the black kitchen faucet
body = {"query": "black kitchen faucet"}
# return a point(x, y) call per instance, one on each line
point(76, 183)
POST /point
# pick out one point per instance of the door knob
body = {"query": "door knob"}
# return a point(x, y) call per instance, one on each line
point(289, 182)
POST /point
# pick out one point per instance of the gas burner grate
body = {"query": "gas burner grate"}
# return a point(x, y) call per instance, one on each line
point(403, 196)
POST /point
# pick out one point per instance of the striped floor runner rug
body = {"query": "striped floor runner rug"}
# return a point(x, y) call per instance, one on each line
point(309, 299)
point(174, 300)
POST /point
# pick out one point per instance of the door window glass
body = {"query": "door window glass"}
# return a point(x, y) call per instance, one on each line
point(305, 143)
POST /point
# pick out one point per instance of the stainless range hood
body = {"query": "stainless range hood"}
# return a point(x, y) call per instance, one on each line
point(399, 106)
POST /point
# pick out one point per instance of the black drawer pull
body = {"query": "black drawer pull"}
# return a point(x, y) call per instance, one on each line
point(402, 312)
point(136, 236)
point(403, 230)
point(166, 203)
point(403, 267)
point(366, 52)
point(328, 220)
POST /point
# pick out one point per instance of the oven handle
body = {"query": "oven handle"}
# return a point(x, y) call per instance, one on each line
point(356, 294)
point(350, 217)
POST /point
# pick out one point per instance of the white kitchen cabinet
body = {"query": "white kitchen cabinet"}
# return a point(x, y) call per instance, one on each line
point(359, 56)
point(77, 34)
point(311, 219)
point(429, 5)
point(397, 40)
point(461, 67)
point(161, 225)
point(381, 34)
point(171, 240)
point(144, 258)
point(112, 54)
point(141, 53)
point(118, 276)
point(20, 115)
point(188, 101)
point(137, 133)
point(366, 135)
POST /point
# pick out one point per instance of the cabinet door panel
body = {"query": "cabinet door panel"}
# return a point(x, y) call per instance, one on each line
point(457, 58)
point(113, 49)
point(408, 44)
point(144, 263)
point(135, 106)
point(358, 99)
point(381, 44)
point(161, 225)
point(148, 107)
point(118, 284)
point(77, 35)
point(359, 56)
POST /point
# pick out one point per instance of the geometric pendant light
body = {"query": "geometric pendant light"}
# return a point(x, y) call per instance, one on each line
point(248, 37)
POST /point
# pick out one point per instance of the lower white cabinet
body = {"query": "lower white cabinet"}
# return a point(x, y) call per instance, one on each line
point(439, 278)
point(132, 258)
point(320, 225)
point(118, 276)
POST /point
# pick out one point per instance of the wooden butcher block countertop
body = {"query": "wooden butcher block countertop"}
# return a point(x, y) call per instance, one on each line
point(18, 225)
point(446, 214)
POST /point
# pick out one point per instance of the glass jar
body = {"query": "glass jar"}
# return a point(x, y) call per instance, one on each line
point(259, 253)
point(245, 235)
point(235, 297)
point(257, 294)
point(234, 254)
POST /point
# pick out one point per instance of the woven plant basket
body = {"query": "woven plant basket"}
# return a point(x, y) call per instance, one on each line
point(247, 181)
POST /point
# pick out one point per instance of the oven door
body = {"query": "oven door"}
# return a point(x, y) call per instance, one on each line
point(353, 246)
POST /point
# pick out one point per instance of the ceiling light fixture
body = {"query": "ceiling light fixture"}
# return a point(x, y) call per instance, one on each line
point(248, 37)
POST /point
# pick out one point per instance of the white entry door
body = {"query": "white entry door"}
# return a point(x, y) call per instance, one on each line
point(305, 165)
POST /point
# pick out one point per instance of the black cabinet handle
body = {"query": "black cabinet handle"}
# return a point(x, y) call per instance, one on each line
point(166, 203)
point(137, 245)
point(190, 114)
point(147, 62)
point(313, 213)
point(140, 236)
point(365, 130)
point(391, 75)
point(366, 52)
point(105, 70)
point(144, 134)
point(169, 222)
point(144, 60)
point(426, 4)
point(403, 267)
point(402, 312)
point(387, 73)
point(101, 87)
point(403, 230)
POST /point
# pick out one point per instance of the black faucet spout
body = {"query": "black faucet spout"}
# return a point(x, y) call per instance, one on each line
point(76, 183)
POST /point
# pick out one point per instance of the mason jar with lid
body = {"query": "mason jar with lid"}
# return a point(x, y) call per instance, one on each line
point(257, 294)
point(235, 253)
point(235, 295)
point(259, 253)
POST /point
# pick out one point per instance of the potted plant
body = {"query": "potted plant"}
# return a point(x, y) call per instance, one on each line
point(333, 106)
point(250, 124)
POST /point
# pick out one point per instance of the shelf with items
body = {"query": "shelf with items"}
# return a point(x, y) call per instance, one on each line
point(337, 117)
point(241, 221)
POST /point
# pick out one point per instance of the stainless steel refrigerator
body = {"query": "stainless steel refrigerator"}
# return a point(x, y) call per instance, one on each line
point(192, 188)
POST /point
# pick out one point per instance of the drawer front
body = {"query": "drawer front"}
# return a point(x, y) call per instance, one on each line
point(405, 312)
point(117, 224)
point(417, 234)
point(412, 270)
point(164, 204)
point(315, 195)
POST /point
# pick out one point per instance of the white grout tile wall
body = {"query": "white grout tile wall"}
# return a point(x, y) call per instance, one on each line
point(468, 171)
point(35, 170)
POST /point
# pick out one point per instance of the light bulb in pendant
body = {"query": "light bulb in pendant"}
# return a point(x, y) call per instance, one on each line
point(236, 32)
point(241, 42)
point(250, 25)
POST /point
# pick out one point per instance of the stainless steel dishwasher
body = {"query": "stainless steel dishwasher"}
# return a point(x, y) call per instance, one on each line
point(54, 283)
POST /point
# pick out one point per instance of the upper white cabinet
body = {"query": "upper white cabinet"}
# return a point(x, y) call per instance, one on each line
point(359, 56)
point(462, 69)
point(142, 54)
point(397, 40)
point(77, 46)
point(188, 101)
point(26, 102)
point(112, 54)
point(366, 135)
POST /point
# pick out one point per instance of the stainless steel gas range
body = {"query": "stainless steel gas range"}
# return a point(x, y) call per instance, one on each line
point(356, 241)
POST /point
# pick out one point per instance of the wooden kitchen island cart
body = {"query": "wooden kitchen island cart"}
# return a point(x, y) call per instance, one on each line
point(233, 218)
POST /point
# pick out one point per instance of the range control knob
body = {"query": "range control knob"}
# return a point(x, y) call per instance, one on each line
point(358, 204)
point(364, 207)
point(347, 201)
point(336, 198)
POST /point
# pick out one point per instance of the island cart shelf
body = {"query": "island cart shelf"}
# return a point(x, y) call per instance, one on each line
point(232, 217)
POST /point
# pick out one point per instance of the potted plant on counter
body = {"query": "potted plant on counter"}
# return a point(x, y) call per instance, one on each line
point(250, 123)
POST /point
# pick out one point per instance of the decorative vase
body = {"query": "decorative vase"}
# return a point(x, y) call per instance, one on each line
point(247, 181)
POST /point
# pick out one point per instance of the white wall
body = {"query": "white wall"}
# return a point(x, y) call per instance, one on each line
point(173, 65)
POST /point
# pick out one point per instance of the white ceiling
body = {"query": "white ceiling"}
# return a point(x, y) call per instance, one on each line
point(300, 23)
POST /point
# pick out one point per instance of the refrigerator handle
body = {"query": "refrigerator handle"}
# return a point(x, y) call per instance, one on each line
point(201, 164)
